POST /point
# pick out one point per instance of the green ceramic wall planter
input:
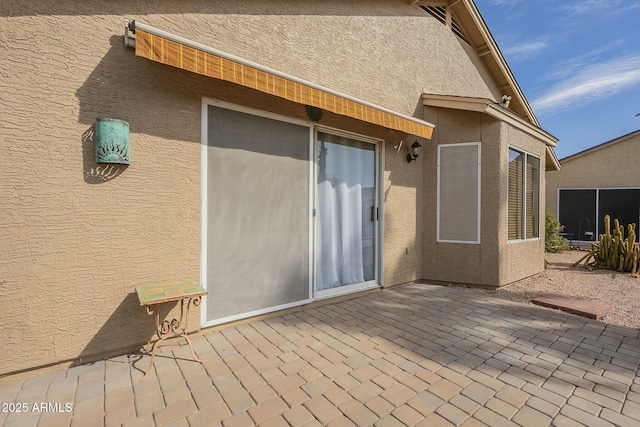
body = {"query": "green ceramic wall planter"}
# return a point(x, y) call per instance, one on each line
point(112, 141)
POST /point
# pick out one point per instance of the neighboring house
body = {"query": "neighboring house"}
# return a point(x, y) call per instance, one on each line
point(273, 188)
point(603, 180)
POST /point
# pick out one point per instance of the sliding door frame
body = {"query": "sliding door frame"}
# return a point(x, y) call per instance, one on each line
point(379, 225)
point(379, 147)
point(206, 102)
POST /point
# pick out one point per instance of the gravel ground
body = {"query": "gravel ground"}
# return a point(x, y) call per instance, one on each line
point(618, 290)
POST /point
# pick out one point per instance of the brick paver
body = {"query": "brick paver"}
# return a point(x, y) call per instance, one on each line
point(413, 355)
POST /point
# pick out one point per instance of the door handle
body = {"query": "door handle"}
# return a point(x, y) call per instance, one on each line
point(374, 214)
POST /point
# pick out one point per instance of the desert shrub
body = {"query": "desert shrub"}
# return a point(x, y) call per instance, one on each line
point(613, 251)
point(553, 241)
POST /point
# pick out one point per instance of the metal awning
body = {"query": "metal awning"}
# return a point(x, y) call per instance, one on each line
point(170, 49)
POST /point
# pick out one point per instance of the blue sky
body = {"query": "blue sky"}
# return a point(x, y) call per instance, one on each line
point(577, 62)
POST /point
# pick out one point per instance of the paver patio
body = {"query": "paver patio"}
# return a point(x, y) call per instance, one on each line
point(413, 355)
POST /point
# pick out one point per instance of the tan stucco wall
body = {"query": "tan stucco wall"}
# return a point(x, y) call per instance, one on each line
point(76, 239)
point(493, 262)
point(610, 166)
point(462, 262)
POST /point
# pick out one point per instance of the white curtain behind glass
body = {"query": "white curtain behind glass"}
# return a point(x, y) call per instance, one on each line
point(345, 239)
point(339, 235)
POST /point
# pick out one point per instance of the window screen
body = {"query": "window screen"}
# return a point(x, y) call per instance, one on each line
point(459, 189)
point(623, 205)
point(257, 213)
point(524, 196)
point(533, 197)
point(516, 187)
point(577, 212)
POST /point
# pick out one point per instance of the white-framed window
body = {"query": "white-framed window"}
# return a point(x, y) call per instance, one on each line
point(524, 195)
point(459, 193)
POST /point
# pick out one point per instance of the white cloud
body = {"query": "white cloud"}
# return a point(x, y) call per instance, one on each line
point(590, 83)
point(524, 50)
point(590, 5)
point(635, 5)
point(612, 6)
point(574, 65)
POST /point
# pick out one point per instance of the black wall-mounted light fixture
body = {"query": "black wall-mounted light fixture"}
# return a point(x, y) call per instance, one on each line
point(415, 148)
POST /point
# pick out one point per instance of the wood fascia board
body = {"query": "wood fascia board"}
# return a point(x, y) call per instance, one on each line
point(488, 50)
point(484, 105)
point(552, 164)
point(483, 50)
point(498, 58)
point(456, 102)
point(518, 122)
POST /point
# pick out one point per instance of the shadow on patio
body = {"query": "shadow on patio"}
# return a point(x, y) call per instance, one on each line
point(412, 355)
point(417, 354)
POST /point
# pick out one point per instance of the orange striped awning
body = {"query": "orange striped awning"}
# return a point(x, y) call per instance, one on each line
point(170, 52)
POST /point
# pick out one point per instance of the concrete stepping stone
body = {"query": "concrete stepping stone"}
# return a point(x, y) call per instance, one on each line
point(581, 307)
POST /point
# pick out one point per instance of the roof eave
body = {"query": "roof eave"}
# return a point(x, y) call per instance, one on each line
point(496, 56)
point(552, 163)
point(488, 51)
point(487, 106)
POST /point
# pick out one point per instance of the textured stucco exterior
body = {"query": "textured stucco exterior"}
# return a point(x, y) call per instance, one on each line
point(77, 238)
point(495, 261)
point(613, 164)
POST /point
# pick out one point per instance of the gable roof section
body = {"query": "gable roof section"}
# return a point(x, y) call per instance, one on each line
point(444, 15)
point(470, 23)
point(601, 146)
point(477, 34)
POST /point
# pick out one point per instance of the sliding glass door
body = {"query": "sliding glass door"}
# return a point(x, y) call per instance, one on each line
point(347, 214)
point(289, 213)
point(257, 223)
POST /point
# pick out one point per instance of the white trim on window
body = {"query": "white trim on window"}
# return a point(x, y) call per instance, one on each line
point(524, 198)
point(479, 179)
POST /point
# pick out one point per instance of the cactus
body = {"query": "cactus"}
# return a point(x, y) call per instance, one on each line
point(631, 239)
point(635, 271)
point(613, 251)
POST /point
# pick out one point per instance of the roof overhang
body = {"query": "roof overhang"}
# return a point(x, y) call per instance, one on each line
point(170, 49)
point(482, 41)
point(553, 164)
point(495, 110)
